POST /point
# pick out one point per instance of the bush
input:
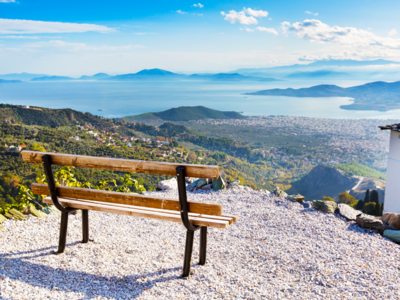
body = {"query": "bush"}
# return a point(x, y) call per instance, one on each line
point(346, 198)
point(327, 198)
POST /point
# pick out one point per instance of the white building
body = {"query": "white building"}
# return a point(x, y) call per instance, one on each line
point(392, 190)
point(76, 138)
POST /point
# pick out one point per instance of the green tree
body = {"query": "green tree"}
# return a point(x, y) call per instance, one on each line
point(378, 210)
point(367, 197)
point(375, 196)
point(369, 208)
point(360, 205)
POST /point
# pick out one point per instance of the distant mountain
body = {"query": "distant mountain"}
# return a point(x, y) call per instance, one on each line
point(9, 81)
point(186, 113)
point(52, 78)
point(21, 76)
point(315, 74)
point(323, 181)
point(377, 95)
point(149, 74)
point(332, 64)
point(228, 77)
point(95, 77)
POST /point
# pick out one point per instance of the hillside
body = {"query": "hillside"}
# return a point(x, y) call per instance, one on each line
point(97, 76)
point(323, 181)
point(377, 95)
point(46, 117)
point(21, 76)
point(187, 113)
point(369, 183)
point(9, 81)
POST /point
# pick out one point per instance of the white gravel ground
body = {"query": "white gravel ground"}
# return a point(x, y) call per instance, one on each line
point(277, 250)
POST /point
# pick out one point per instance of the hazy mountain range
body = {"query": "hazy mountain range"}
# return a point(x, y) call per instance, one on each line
point(377, 95)
point(346, 69)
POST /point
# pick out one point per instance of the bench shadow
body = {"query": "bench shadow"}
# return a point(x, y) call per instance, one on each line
point(90, 285)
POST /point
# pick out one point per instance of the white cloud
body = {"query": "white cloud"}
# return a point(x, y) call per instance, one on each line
point(73, 47)
point(316, 31)
point(392, 32)
point(269, 30)
point(181, 12)
point(343, 42)
point(255, 13)
point(239, 17)
point(310, 13)
point(7, 1)
point(249, 30)
point(18, 37)
point(9, 26)
point(199, 5)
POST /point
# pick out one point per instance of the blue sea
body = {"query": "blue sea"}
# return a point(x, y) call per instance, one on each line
point(119, 99)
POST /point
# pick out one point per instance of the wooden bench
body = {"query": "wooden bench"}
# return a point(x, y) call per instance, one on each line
point(193, 215)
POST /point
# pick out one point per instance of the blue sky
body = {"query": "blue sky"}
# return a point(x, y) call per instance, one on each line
point(86, 37)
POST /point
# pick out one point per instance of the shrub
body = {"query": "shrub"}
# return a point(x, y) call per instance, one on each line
point(327, 198)
point(346, 198)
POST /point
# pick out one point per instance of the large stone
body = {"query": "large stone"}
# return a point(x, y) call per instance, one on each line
point(218, 184)
point(201, 182)
point(392, 219)
point(17, 215)
point(368, 221)
point(2, 219)
point(348, 212)
point(233, 184)
point(207, 187)
point(51, 210)
point(1, 227)
point(393, 235)
point(296, 198)
point(279, 193)
point(30, 210)
point(325, 206)
point(168, 184)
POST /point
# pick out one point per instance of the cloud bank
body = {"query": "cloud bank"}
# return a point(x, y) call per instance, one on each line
point(13, 26)
point(245, 17)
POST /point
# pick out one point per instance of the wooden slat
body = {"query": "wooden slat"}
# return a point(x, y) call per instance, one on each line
point(131, 199)
point(199, 221)
point(123, 165)
point(223, 217)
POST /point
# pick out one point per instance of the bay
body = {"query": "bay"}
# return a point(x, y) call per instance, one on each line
point(117, 99)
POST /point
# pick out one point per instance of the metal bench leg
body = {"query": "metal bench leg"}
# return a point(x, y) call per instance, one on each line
point(203, 245)
point(63, 232)
point(85, 225)
point(188, 253)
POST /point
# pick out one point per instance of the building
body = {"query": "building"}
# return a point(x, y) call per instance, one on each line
point(392, 190)
point(76, 138)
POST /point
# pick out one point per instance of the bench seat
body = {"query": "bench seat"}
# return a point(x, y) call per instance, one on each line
point(222, 221)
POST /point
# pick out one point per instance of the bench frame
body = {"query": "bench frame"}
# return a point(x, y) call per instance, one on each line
point(65, 211)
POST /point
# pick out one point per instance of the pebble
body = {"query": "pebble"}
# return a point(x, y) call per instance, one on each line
point(277, 250)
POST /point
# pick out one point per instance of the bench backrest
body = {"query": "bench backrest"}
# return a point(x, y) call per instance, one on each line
point(123, 165)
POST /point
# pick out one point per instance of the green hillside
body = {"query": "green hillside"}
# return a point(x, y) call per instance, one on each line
point(360, 170)
point(186, 113)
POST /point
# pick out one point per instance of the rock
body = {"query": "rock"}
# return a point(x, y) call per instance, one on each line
point(306, 204)
point(201, 182)
point(279, 193)
point(17, 215)
point(30, 210)
point(194, 183)
point(233, 183)
point(218, 184)
point(392, 219)
point(168, 184)
point(1, 227)
point(393, 235)
point(2, 219)
point(51, 210)
point(296, 198)
point(368, 221)
point(8, 215)
point(190, 179)
point(325, 206)
point(207, 187)
point(348, 212)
